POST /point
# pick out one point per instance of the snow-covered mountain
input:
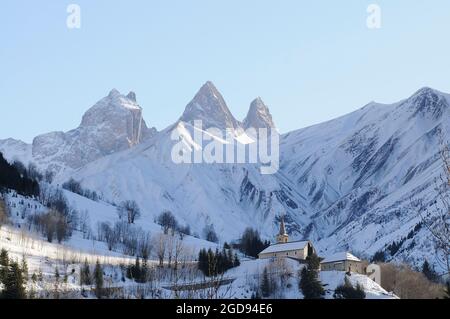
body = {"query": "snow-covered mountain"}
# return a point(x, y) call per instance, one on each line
point(258, 116)
point(362, 173)
point(113, 124)
point(349, 183)
point(209, 106)
point(229, 196)
point(16, 150)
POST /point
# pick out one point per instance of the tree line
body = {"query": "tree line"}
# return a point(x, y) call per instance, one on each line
point(13, 178)
point(212, 263)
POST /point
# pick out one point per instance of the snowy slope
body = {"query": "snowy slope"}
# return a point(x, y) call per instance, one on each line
point(229, 196)
point(247, 278)
point(96, 212)
point(14, 150)
point(362, 172)
point(347, 184)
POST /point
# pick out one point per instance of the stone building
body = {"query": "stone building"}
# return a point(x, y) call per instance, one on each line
point(298, 250)
point(343, 261)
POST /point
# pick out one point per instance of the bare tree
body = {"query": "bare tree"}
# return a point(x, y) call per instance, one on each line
point(160, 243)
point(111, 236)
point(178, 251)
point(129, 210)
point(406, 283)
point(167, 221)
point(145, 246)
point(84, 224)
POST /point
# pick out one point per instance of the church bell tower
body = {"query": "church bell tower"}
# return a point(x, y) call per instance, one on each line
point(282, 237)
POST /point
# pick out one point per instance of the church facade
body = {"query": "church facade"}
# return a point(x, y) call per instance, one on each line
point(298, 250)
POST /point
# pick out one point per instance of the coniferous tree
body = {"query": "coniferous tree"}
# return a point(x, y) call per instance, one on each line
point(11, 177)
point(56, 286)
point(251, 243)
point(24, 268)
point(230, 259)
point(4, 264)
point(313, 262)
point(236, 262)
point(310, 284)
point(202, 261)
point(429, 272)
point(57, 274)
point(348, 291)
point(98, 276)
point(265, 284)
point(214, 263)
point(85, 275)
point(14, 283)
point(143, 272)
point(379, 256)
point(137, 269)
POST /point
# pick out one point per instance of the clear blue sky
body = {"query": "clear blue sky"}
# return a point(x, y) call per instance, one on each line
point(309, 60)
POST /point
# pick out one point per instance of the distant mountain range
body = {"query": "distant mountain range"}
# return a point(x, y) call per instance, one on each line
point(347, 184)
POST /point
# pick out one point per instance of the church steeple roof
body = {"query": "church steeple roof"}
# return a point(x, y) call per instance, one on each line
point(282, 227)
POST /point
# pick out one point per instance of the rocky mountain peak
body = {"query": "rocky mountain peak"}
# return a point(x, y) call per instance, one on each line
point(209, 106)
point(258, 116)
point(113, 124)
point(428, 101)
point(114, 93)
point(132, 96)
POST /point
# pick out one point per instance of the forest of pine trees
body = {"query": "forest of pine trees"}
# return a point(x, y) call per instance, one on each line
point(251, 243)
point(429, 272)
point(12, 178)
point(215, 263)
point(13, 277)
point(139, 272)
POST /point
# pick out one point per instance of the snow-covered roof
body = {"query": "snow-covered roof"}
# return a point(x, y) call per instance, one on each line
point(340, 257)
point(276, 248)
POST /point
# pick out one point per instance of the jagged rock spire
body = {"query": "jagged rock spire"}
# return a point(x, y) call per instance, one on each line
point(209, 106)
point(258, 116)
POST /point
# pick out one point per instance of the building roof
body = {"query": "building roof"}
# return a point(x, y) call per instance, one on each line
point(276, 248)
point(343, 256)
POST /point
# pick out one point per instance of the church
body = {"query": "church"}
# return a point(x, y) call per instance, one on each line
point(298, 250)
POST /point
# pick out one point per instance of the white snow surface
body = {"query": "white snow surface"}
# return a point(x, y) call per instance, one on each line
point(342, 256)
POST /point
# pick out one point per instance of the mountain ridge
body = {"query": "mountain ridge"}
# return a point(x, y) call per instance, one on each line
point(347, 183)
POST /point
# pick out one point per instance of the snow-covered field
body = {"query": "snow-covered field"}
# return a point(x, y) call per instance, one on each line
point(44, 257)
point(248, 275)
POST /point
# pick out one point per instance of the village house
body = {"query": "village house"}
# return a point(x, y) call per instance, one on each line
point(297, 250)
point(343, 261)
